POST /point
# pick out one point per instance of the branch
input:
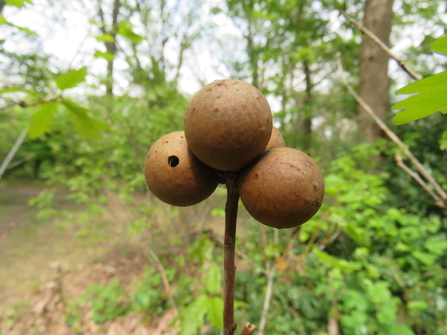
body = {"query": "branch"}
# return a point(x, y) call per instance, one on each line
point(401, 164)
point(382, 45)
point(231, 209)
point(13, 151)
point(216, 238)
point(419, 167)
point(248, 329)
point(21, 161)
point(25, 104)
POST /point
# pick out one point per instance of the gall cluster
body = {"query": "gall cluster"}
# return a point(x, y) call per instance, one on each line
point(228, 127)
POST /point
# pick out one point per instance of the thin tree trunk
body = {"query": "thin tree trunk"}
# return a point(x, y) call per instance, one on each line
point(110, 46)
point(373, 68)
point(2, 5)
point(307, 120)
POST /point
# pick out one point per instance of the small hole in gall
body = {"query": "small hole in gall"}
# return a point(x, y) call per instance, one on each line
point(173, 161)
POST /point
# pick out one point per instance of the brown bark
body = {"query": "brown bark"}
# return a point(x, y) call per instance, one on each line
point(373, 67)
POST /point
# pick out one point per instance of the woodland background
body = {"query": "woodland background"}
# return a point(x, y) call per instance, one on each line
point(87, 86)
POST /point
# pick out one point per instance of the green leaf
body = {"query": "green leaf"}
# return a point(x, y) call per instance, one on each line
point(18, 3)
point(106, 55)
point(72, 78)
point(215, 311)
point(13, 90)
point(335, 262)
point(440, 46)
point(426, 258)
point(431, 98)
point(436, 246)
point(23, 29)
point(193, 315)
point(213, 279)
point(84, 125)
point(104, 38)
point(42, 121)
point(125, 30)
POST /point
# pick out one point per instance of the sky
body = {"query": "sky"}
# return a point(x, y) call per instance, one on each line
point(65, 32)
point(67, 35)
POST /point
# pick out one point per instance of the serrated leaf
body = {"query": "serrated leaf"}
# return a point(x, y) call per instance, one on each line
point(3, 20)
point(213, 279)
point(431, 98)
point(215, 311)
point(125, 30)
point(42, 121)
point(104, 38)
point(72, 78)
point(84, 125)
point(106, 55)
point(440, 46)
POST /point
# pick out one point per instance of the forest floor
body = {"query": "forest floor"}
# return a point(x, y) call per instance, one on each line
point(44, 263)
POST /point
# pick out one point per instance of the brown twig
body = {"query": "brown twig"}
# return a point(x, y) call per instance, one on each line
point(382, 45)
point(421, 181)
point(419, 167)
point(25, 104)
point(231, 209)
point(248, 329)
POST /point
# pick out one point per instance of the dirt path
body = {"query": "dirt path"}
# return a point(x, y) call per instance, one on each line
point(30, 245)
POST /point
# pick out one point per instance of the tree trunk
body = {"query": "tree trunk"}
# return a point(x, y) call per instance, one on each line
point(307, 104)
point(373, 67)
point(110, 46)
point(2, 5)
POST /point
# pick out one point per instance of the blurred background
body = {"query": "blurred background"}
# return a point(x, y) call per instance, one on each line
point(86, 87)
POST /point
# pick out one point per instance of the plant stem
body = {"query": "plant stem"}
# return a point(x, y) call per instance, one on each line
point(231, 208)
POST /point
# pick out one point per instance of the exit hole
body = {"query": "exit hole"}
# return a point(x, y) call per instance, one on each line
point(173, 161)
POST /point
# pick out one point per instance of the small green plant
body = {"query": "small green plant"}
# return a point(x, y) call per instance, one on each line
point(148, 298)
point(107, 302)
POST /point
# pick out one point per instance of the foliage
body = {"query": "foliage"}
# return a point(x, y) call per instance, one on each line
point(371, 261)
point(431, 93)
point(381, 275)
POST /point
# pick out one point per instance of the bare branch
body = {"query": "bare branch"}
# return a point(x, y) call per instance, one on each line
point(421, 182)
point(419, 167)
point(13, 151)
point(382, 45)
